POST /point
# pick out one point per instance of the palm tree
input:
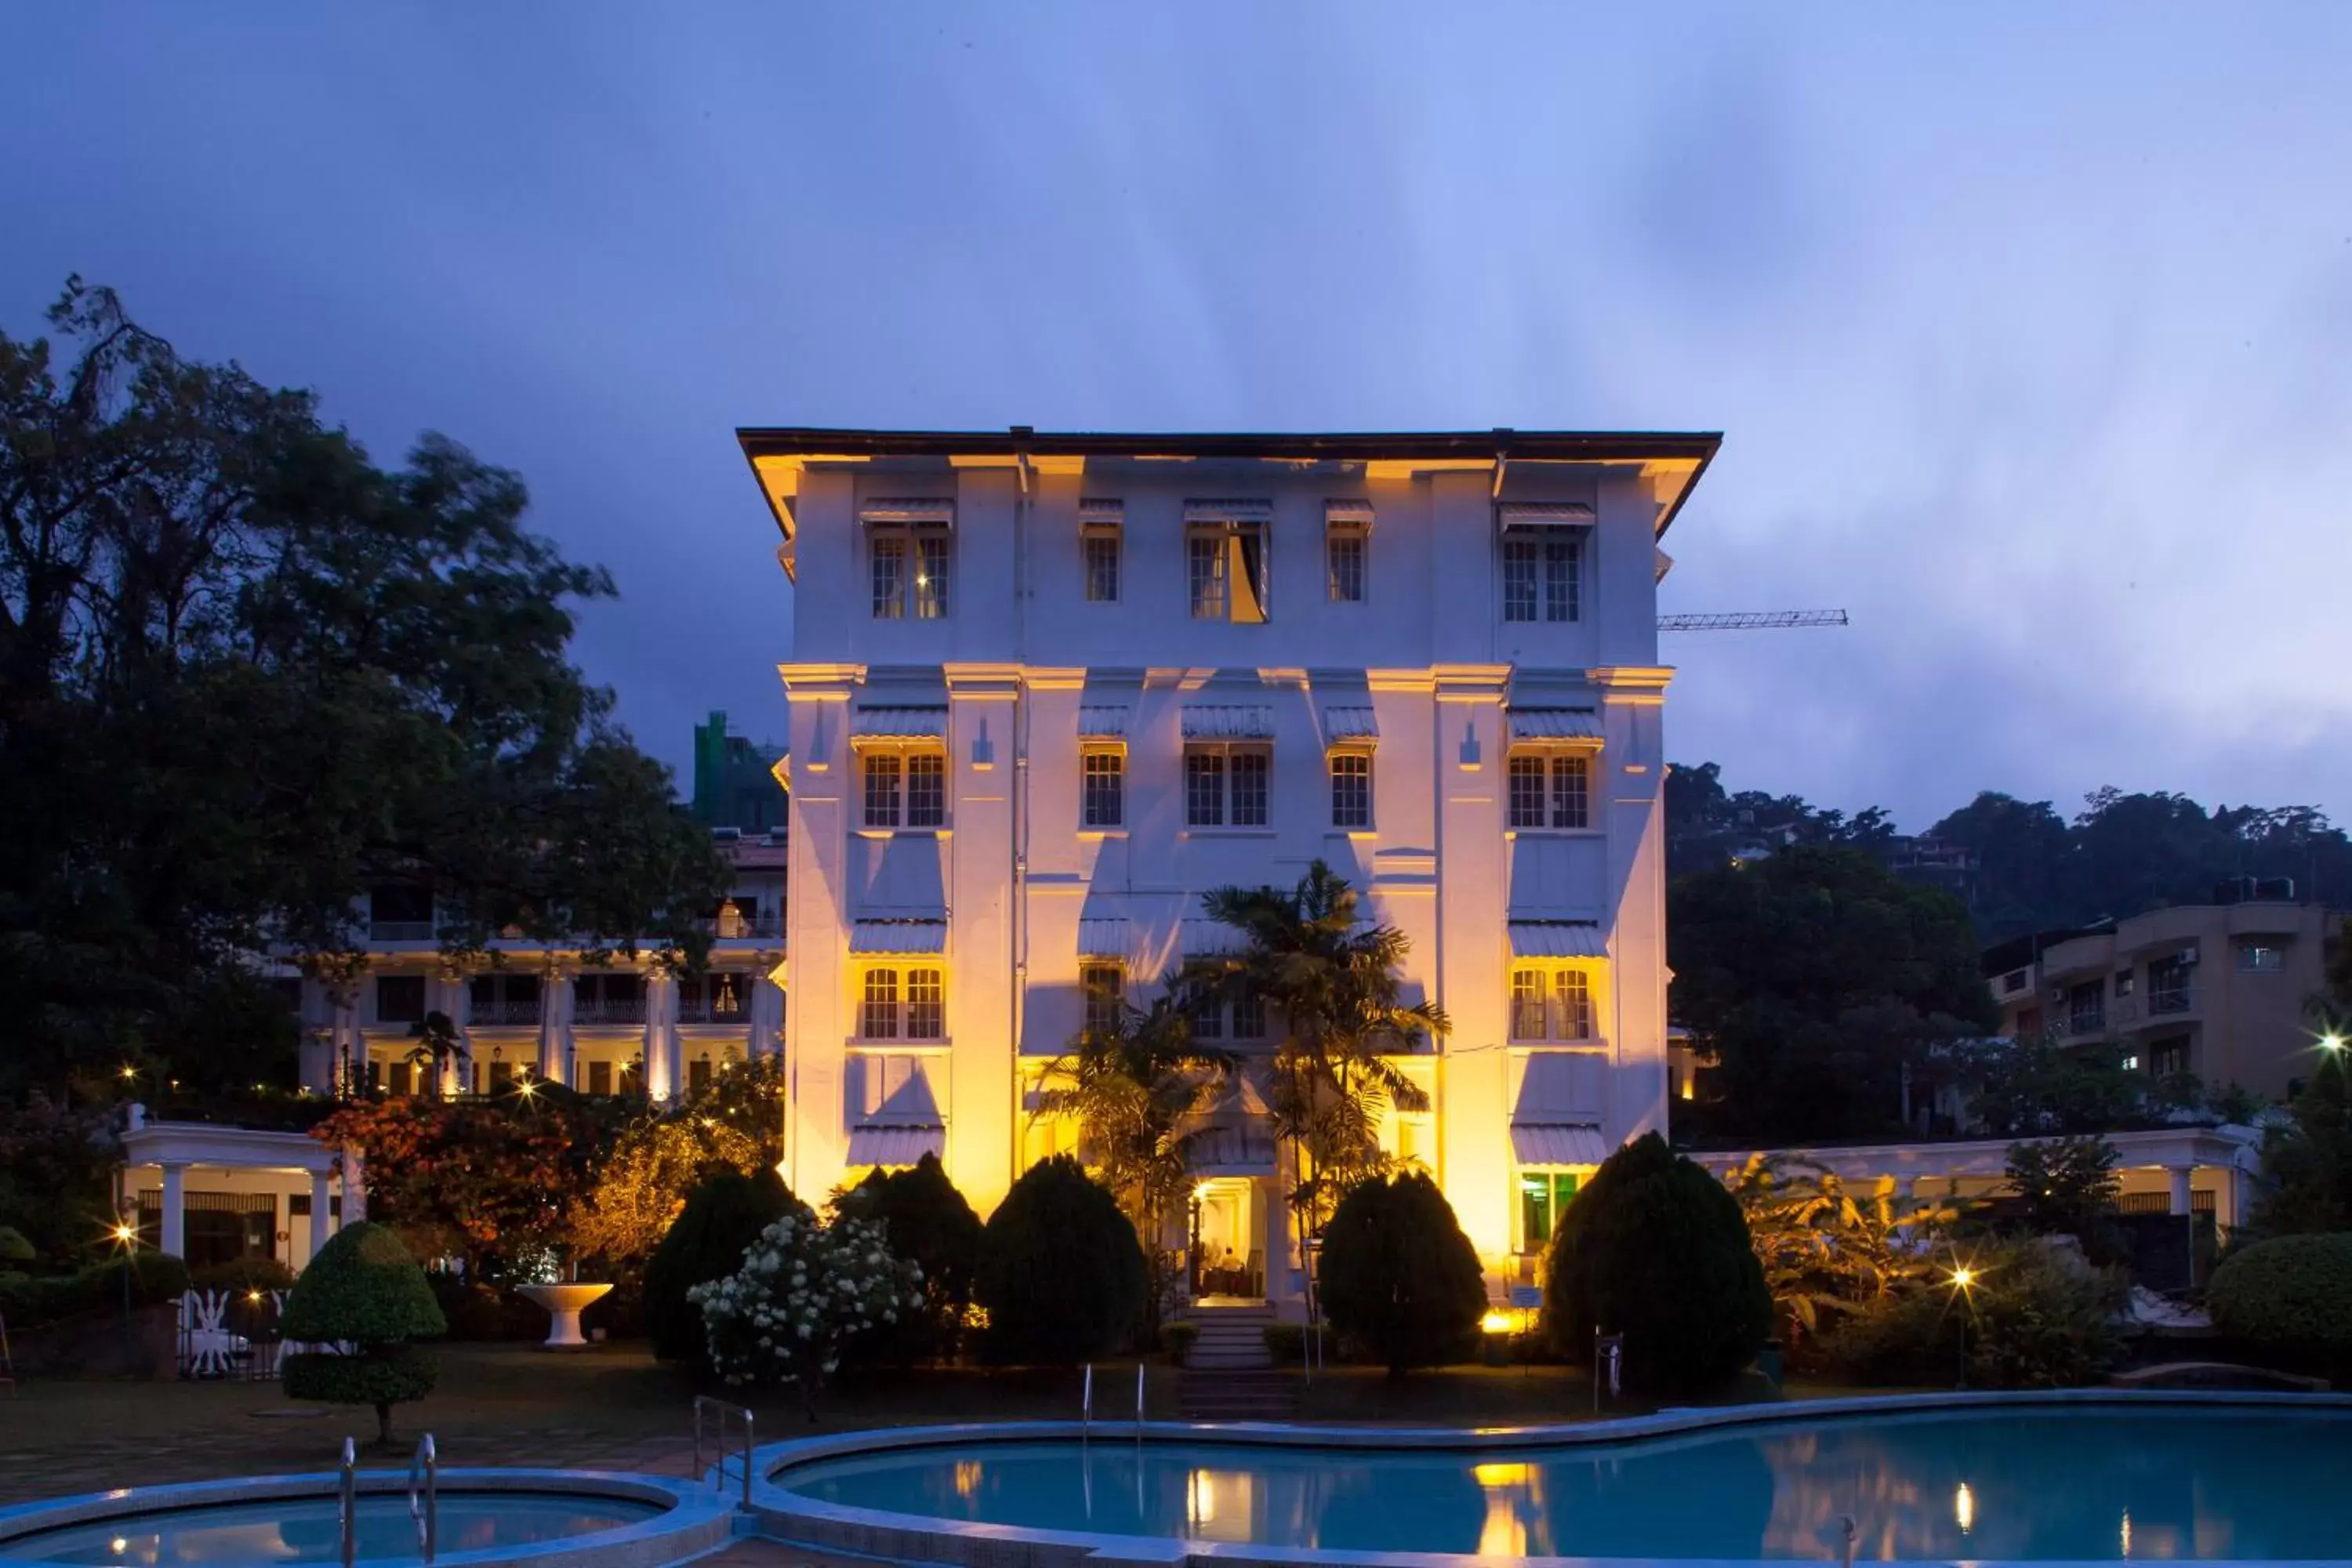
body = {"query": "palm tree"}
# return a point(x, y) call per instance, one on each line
point(1137, 1090)
point(1334, 976)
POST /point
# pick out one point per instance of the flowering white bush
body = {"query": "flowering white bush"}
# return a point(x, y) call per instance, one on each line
point(804, 1290)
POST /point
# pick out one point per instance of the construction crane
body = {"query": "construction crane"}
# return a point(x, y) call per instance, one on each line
point(1751, 620)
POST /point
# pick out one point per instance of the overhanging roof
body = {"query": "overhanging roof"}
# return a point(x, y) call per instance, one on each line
point(779, 454)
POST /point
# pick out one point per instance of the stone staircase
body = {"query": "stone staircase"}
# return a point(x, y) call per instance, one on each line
point(1228, 1373)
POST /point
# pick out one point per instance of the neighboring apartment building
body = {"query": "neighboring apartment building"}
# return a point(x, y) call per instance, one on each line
point(1047, 690)
point(737, 782)
point(2218, 990)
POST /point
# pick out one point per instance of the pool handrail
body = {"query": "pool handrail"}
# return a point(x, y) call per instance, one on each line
point(425, 1498)
point(347, 1512)
point(725, 1412)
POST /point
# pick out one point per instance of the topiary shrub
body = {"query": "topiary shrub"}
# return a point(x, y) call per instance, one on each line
point(1653, 1248)
point(1398, 1277)
point(928, 1223)
point(362, 1289)
point(2290, 1297)
point(1060, 1271)
point(723, 1216)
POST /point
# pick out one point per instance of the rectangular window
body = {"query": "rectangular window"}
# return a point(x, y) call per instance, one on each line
point(1573, 1014)
point(697, 1074)
point(1549, 790)
point(2087, 1009)
point(1102, 788)
point(2123, 982)
point(1351, 789)
point(1102, 559)
point(882, 777)
point(1528, 992)
point(877, 1019)
point(1343, 554)
point(400, 999)
point(911, 568)
point(1249, 1015)
point(927, 1005)
point(1551, 1003)
point(1224, 570)
point(1105, 988)
point(1543, 576)
point(2169, 1059)
point(1544, 1196)
point(1248, 772)
point(1205, 788)
point(927, 789)
point(2260, 957)
point(400, 1077)
point(2168, 990)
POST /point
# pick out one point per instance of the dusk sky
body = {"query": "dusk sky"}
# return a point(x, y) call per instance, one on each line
point(2028, 329)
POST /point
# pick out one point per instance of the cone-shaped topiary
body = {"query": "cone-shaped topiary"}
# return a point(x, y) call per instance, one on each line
point(926, 1222)
point(1060, 1271)
point(1657, 1249)
point(362, 1289)
point(1397, 1275)
point(722, 1217)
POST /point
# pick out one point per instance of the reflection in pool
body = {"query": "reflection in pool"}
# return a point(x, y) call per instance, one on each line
point(2080, 1484)
point(304, 1530)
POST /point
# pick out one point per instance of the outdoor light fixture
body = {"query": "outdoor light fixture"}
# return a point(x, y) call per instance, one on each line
point(2330, 1042)
point(125, 1233)
point(1498, 1323)
point(129, 1071)
point(1964, 1279)
point(1964, 1509)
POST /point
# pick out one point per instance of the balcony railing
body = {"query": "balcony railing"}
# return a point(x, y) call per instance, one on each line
point(632, 1011)
point(2171, 999)
point(506, 1015)
point(2086, 1021)
point(731, 926)
point(400, 931)
point(692, 1012)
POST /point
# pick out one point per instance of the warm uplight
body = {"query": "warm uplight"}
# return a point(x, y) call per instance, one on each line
point(1496, 1323)
point(526, 1088)
point(253, 1295)
point(1964, 1507)
point(125, 1233)
point(129, 1071)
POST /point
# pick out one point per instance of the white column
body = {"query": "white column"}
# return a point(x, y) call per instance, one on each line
point(175, 1216)
point(2179, 1175)
point(322, 1213)
point(555, 1043)
point(1906, 1187)
point(767, 1010)
point(354, 1186)
point(662, 1077)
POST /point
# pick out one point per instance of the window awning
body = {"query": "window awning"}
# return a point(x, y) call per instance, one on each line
point(899, 723)
point(897, 936)
point(1556, 1120)
point(1240, 721)
point(1554, 724)
point(1352, 723)
point(1212, 938)
point(895, 1147)
point(1102, 721)
point(1101, 508)
point(1545, 514)
point(1352, 513)
point(1103, 937)
point(1558, 939)
point(1231, 1149)
point(929, 509)
point(1222, 510)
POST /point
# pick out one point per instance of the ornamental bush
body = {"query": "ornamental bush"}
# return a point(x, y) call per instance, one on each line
point(722, 1217)
point(362, 1289)
point(1060, 1271)
point(804, 1292)
point(2291, 1297)
point(1655, 1248)
point(1398, 1277)
point(925, 1221)
point(2037, 1317)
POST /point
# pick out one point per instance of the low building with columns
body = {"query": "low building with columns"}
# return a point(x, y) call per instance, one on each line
point(530, 1010)
point(212, 1193)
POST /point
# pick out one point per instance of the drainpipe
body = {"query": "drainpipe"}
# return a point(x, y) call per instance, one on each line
point(1023, 476)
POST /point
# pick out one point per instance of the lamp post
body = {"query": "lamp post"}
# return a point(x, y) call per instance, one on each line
point(1964, 1281)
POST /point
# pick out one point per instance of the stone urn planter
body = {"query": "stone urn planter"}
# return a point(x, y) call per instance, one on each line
point(564, 1304)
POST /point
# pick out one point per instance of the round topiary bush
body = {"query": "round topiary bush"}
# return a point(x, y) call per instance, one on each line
point(2291, 1297)
point(362, 1289)
point(1060, 1273)
point(1398, 1277)
point(926, 1222)
point(1655, 1248)
point(722, 1217)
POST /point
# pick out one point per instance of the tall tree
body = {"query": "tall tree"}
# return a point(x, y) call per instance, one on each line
point(245, 674)
point(1818, 979)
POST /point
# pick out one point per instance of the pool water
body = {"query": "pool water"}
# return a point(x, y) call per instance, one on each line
point(2078, 1485)
point(305, 1530)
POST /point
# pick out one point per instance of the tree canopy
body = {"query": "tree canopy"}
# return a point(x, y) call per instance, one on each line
point(246, 674)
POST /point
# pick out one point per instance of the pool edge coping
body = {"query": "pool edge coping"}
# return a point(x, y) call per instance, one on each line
point(787, 1516)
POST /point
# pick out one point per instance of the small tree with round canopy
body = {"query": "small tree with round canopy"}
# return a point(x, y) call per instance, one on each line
point(1399, 1277)
point(365, 1290)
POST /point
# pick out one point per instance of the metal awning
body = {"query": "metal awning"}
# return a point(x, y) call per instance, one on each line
point(1354, 513)
point(894, 1147)
point(1545, 514)
point(930, 509)
point(1557, 1143)
point(899, 723)
point(1240, 721)
point(1231, 1149)
point(889, 936)
point(1557, 1117)
point(1247, 509)
point(1554, 724)
point(1102, 721)
point(1351, 722)
point(1212, 938)
point(1102, 937)
point(1101, 508)
point(1556, 939)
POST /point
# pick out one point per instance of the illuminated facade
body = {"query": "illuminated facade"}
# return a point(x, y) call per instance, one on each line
point(1044, 691)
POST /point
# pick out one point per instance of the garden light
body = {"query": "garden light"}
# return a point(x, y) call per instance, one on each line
point(124, 1233)
point(1496, 1322)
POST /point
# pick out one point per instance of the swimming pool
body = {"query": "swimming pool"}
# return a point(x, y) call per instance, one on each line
point(586, 1520)
point(2018, 1481)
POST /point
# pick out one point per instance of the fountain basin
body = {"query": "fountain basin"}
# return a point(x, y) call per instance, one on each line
point(564, 1304)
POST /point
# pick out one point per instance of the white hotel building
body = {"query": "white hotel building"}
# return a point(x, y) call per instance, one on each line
point(1048, 690)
